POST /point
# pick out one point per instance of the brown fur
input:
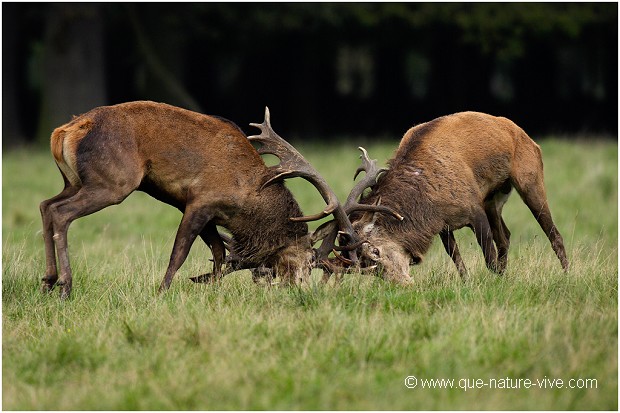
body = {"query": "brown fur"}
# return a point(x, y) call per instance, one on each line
point(452, 172)
point(202, 165)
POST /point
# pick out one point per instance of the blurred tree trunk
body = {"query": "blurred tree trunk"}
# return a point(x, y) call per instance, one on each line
point(11, 131)
point(168, 84)
point(73, 79)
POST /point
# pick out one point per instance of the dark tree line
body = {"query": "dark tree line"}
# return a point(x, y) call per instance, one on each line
point(325, 69)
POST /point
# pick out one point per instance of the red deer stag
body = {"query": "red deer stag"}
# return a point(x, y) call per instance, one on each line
point(202, 165)
point(452, 172)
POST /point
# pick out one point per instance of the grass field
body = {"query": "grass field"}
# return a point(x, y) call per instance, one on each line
point(117, 345)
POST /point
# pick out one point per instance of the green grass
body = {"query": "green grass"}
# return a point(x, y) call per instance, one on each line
point(117, 345)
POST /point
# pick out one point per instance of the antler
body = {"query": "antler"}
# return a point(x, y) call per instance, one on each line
point(328, 232)
point(293, 164)
point(372, 173)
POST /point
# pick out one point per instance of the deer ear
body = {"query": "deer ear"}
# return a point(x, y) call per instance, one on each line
point(368, 228)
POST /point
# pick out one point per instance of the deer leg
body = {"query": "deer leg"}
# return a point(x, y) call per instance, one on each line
point(51, 270)
point(85, 201)
point(484, 236)
point(212, 238)
point(218, 249)
point(449, 243)
point(501, 235)
point(262, 273)
point(503, 244)
point(543, 216)
point(192, 224)
point(532, 190)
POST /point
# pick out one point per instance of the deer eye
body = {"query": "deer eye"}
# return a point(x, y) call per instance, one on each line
point(375, 251)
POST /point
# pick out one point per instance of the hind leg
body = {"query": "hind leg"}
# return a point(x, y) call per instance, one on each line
point(63, 212)
point(449, 243)
point(51, 270)
point(532, 190)
point(541, 212)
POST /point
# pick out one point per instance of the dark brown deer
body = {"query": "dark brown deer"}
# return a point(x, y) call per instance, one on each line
point(202, 165)
point(453, 172)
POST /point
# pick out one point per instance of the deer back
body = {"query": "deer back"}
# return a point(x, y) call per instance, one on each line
point(463, 149)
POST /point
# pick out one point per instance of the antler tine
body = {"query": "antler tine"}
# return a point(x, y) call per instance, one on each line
point(327, 233)
point(368, 165)
point(292, 164)
point(372, 173)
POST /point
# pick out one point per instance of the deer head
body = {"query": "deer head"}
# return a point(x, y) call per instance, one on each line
point(329, 234)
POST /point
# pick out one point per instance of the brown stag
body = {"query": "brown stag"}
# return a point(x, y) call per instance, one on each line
point(452, 172)
point(202, 165)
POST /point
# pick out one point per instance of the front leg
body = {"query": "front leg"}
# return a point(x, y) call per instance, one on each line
point(214, 241)
point(449, 243)
point(484, 235)
point(262, 273)
point(192, 224)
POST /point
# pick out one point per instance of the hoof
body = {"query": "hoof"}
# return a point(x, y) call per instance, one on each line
point(47, 288)
point(48, 284)
point(261, 273)
point(404, 281)
point(65, 293)
point(65, 290)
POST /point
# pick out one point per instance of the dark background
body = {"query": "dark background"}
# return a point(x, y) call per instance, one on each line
point(326, 70)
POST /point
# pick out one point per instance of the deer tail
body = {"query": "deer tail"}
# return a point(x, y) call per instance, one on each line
point(64, 144)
